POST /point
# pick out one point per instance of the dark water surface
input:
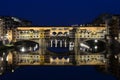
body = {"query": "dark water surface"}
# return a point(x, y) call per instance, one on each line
point(56, 73)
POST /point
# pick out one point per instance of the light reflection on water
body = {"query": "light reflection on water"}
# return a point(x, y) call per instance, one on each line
point(26, 46)
point(93, 46)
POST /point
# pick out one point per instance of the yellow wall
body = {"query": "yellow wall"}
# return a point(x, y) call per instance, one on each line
point(9, 35)
point(91, 32)
point(95, 32)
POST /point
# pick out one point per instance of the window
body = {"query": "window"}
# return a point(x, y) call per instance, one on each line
point(54, 33)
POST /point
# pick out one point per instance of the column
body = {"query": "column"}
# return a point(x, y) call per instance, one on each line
point(51, 41)
point(65, 43)
point(56, 43)
point(70, 46)
point(60, 43)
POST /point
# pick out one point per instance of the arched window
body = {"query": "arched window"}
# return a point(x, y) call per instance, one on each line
point(65, 33)
point(60, 34)
point(54, 33)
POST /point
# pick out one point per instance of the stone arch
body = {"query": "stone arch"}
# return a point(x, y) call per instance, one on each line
point(60, 33)
point(54, 33)
point(85, 40)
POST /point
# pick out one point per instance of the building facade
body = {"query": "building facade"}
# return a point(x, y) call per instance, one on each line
point(81, 45)
point(8, 25)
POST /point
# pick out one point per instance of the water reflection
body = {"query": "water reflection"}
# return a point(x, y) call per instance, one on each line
point(2, 63)
point(93, 46)
point(8, 55)
point(26, 46)
point(6, 60)
point(58, 50)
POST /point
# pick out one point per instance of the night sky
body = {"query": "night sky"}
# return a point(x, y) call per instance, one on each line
point(58, 12)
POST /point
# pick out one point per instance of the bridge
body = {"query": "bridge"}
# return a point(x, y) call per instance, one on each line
point(70, 46)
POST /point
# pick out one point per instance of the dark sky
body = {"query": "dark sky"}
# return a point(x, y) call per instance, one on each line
point(58, 12)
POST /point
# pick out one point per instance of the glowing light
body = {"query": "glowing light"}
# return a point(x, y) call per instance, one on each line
point(115, 57)
point(116, 38)
point(2, 59)
point(36, 46)
point(23, 49)
point(7, 58)
point(1, 68)
point(96, 41)
point(84, 45)
point(12, 70)
point(3, 54)
point(96, 47)
point(68, 60)
point(104, 61)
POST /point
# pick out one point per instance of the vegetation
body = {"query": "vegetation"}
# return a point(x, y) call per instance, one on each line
point(101, 19)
